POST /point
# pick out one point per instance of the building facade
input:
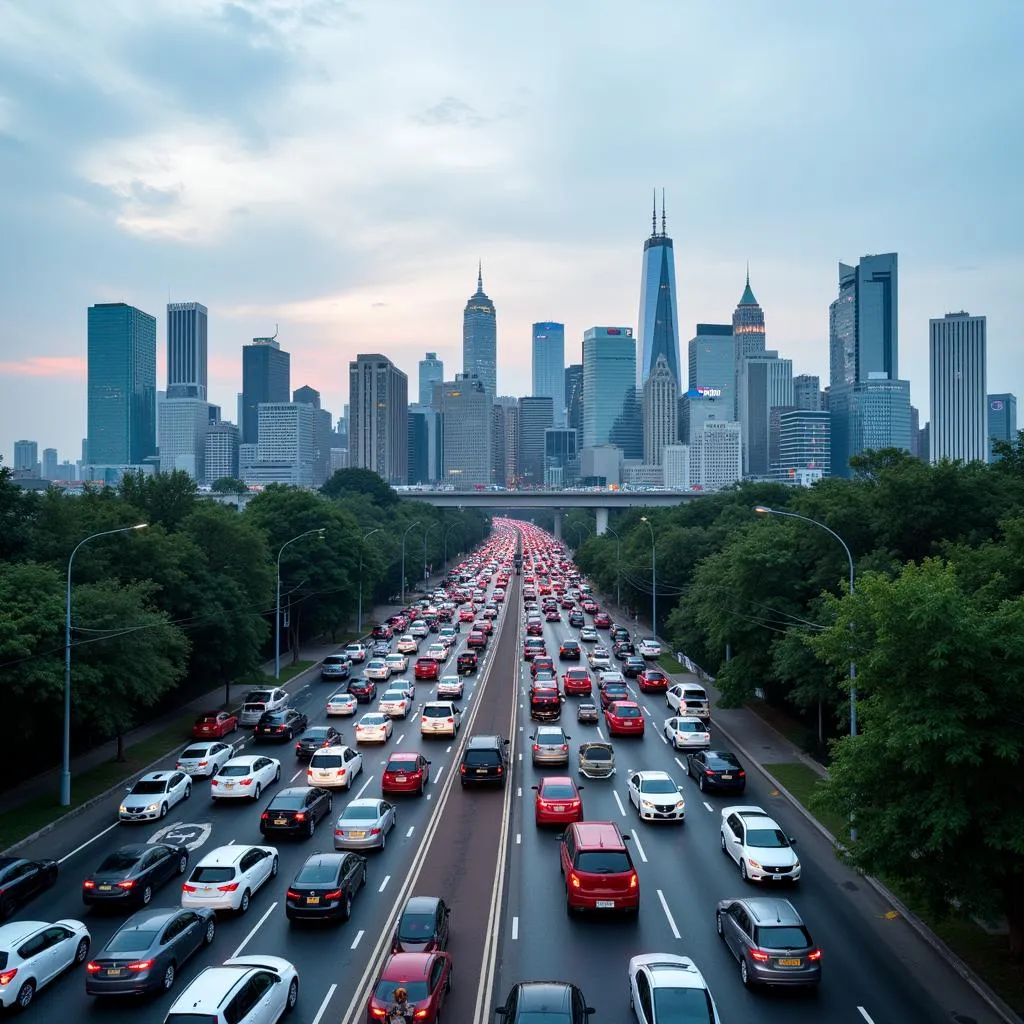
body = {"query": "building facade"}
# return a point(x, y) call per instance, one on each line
point(548, 351)
point(957, 361)
point(716, 456)
point(711, 359)
point(286, 451)
point(660, 412)
point(266, 377)
point(424, 444)
point(807, 392)
point(805, 453)
point(765, 382)
point(378, 427)
point(431, 373)
point(870, 415)
point(675, 467)
point(748, 332)
point(505, 441)
point(186, 350)
point(574, 397)
point(221, 452)
point(183, 423)
point(26, 456)
point(536, 415)
point(658, 333)
point(561, 457)
point(467, 422)
point(1002, 421)
point(480, 338)
point(609, 372)
point(49, 467)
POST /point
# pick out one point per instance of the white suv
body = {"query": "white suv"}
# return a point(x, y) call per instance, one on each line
point(226, 877)
point(758, 844)
point(649, 649)
point(35, 953)
point(256, 989)
point(258, 701)
point(440, 717)
point(154, 795)
point(334, 767)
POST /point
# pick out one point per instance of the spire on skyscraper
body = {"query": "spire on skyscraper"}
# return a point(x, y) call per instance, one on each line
point(747, 299)
point(654, 213)
point(664, 231)
point(480, 277)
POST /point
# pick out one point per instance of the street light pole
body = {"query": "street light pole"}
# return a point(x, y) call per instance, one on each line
point(448, 530)
point(654, 579)
point(359, 614)
point(277, 617)
point(404, 535)
point(429, 527)
point(618, 578)
point(65, 775)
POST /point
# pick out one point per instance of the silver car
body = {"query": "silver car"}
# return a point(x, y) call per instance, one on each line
point(364, 823)
point(770, 940)
point(204, 759)
point(550, 745)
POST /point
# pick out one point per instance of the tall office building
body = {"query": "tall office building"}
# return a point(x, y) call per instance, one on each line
point(183, 423)
point(50, 464)
point(609, 372)
point(871, 415)
point(286, 452)
point(324, 437)
point(26, 455)
point(807, 392)
point(1002, 421)
point(424, 444)
point(431, 373)
point(266, 377)
point(122, 385)
point(765, 382)
point(804, 446)
point(186, 350)
point(716, 459)
point(467, 421)
point(548, 346)
point(574, 397)
point(748, 335)
point(660, 412)
point(307, 396)
point(505, 441)
point(915, 432)
point(220, 450)
point(536, 415)
point(561, 457)
point(958, 391)
point(480, 337)
point(712, 378)
point(378, 431)
point(659, 316)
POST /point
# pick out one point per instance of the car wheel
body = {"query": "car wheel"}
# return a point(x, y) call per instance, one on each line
point(721, 840)
point(718, 925)
point(383, 838)
point(745, 974)
point(330, 804)
point(146, 895)
point(188, 791)
point(346, 907)
point(243, 904)
point(82, 951)
point(211, 931)
point(743, 870)
point(234, 727)
point(163, 811)
point(568, 905)
point(277, 774)
point(273, 868)
point(26, 994)
point(310, 828)
point(293, 996)
point(700, 783)
point(167, 982)
point(256, 792)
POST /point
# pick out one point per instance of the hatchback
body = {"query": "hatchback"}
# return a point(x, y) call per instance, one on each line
point(577, 683)
point(599, 872)
point(35, 953)
point(687, 733)
point(423, 926)
point(214, 725)
point(624, 718)
point(227, 877)
point(484, 761)
point(405, 772)
point(295, 811)
point(427, 979)
point(325, 886)
point(770, 940)
point(334, 767)
point(335, 667)
point(257, 989)
point(558, 801)
point(426, 668)
point(550, 746)
point(364, 690)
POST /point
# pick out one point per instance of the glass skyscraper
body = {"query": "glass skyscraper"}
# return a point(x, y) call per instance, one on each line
point(548, 340)
point(122, 385)
point(480, 338)
point(574, 397)
point(431, 373)
point(1002, 420)
point(609, 393)
point(958, 393)
point(659, 317)
point(536, 415)
point(266, 377)
point(186, 350)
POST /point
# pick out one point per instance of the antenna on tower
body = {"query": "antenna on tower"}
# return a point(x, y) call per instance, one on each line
point(663, 232)
point(654, 212)
point(276, 329)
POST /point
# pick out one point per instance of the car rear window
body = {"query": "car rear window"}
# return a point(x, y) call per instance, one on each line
point(599, 752)
point(722, 763)
point(258, 697)
point(400, 766)
point(318, 732)
point(284, 802)
point(778, 936)
point(189, 752)
point(326, 761)
point(603, 862)
point(210, 873)
point(235, 770)
point(557, 791)
point(335, 659)
point(482, 758)
point(190, 1018)
point(129, 940)
point(119, 861)
point(691, 727)
point(317, 874)
point(436, 712)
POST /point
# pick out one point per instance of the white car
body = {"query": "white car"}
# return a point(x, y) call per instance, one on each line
point(245, 777)
point(154, 795)
point(227, 877)
point(378, 670)
point(205, 758)
point(649, 649)
point(440, 717)
point(341, 704)
point(599, 658)
point(224, 995)
point(448, 636)
point(33, 953)
point(450, 687)
point(394, 704)
point(334, 767)
point(689, 699)
point(374, 728)
point(589, 635)
point(419, 628)
point(439, 652)
point(758, 845)
point(356, 653)
point(655, 796)
point(611, 675)
point(407, 644)
point(687, 733)
point(667, 987)
point(258, 701)
point(398, 663)
point(407, 686)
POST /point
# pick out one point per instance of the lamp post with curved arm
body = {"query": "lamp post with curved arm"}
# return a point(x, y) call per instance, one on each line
point(277, 617)
point(411, 526)
point(65, 775)
point(359, 614)
point(654, 578)
point(618, 577)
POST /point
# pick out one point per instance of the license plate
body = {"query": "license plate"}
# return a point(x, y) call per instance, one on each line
point(312, 899)
point(606, 904)
point(229, 785)
point(559, 809)
point(400, 778)
point(481, 771)
point(776, 878)
point(726, 778)
point(113, 972)
point(280, 821)
point(357, 835)
point(106, 888)
point(790, 962)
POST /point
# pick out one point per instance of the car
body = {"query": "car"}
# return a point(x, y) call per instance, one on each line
point(668, 987)
point(716, 769)
point(558, 801)
point(258, 989)
point(407, 644)
point(423, 926)
point(245, 776)
point(632, 666)
point(534, 646)
point(405, 771)
point(364, 823)
point(596, 760)
point(282, 725)
point(440, 717)
point(466, 615)
point(687, 733)
point(652, 680)
point(427, 979)
point(364, 690)
point(550, 746)
point(655, 795)
point(587, 713)
point(599, 658)
point(589, 635)
point(438, 651)
point(356, 653)
point(769, 939)
point(398, 663)
point(374, 728)
point(259, 701)
point(334, 767)
point(649, 648)
point(484, 761)
point(450, 688)
point(343, 703)
point(542, 663)
point(296, 811)
point(426, 668)
point(467, 663)
point(545, 702)
point(477, 639)
point(132, 874)
point(553, 615)
point(598, 870)
point(227, 878)
point(380, 649)
point(624, 718)
point(406, 686)
point(602, 620)
point(34, 953)
point(419, 628)
point(214, 725)
point(554, 1002)
point(484, 625)
point(335, 667)
point(325, 886)
point(535, 628)
point(610, 675)
point(689, 699)
point(315, 738)
point(759, 846)
point(576, 682)
point(382, 631)
point(624, 649)
point(378, 670)
point(612, 692)
point(21, 880)
point(395, 704)
point(144, 955)
point(203, 760)
point(153, 795)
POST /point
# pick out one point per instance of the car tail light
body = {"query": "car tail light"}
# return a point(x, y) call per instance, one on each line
point(759, 955)
point(742, 775)
point(92, 967)
point(500, 769)
point(128, 883)
point(88, 884)
point(333, 895)
point(203, 764)
point(420, 1014)
point(300, 815)
point(293, 895)
point(565, 747)
point(574, 879)
point(340, 772)
point(340, 833)
point(462, 769)
point(309, 773)
point(451, 721)
point(247, 782)
point(230, 887)
point(188, 888)
point(140, 965)
point(709, 773)
point(214, 782)
point(814, 956)
point(377, 1011)
point(536, 747)
point(6, 977)
point(633, 880)
point(298, 747)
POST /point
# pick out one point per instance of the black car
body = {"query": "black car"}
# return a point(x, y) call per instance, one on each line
point(467, 663)
point(22, 879)
point(325, 886)
point(295, 811)
point(556, 1002)
point(633, 665)
point(314, 738)
point(484, 761)
point(133, 873)
point(364, 690)
point(423, 926)
point(716, 769)
point(576, 618)
point(619, 633)
point(145, 954)
point(281, 725)
point(545, 704)
point(623, 649)
point(611, 692)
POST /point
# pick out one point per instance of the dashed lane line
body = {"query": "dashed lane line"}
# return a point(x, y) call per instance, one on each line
point(89, 842)
point(515, 928)
point(711, 809)
point(362, 788)
point(259, 924)
point(639, 848)
point(668, 914)
point(384, 884)
point(357, 939)
point(323, 1006)
point(865, 1015)
point(408, 835)
point(622, 810)
point(438, 774)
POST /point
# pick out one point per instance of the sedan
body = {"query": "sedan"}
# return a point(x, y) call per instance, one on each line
point(398, 663)
point(364, 823)
point(427, 979)
point(477, 639)
point(554, 1002)
point(405, 772)
point(649, 648)
point(395, 704)
point(325, 886)
point(589, 635)
point(315, 738)
point(612, 692)
point(341, 704)
point(667, 987)
point(378, 670)
point(439, 652)
point(356, 653)
point(364, 690)
point(576, 619)
point(633, 666)
point(296, 811)
point(374, 728)
point(423, 926)
point(133, 873)
point(22, 879)
point(576, 682)
point(599, 658)
point(214, 725)
point(558, 801)
point(426, 668)
point(655, 796)
point(146, 952)
point(407, 644)
point(282, 725)
point(450, 688)
point(602, 620)
point(334, 767)
point(550, 745)
point(716, 769)
point(204, 760)
point(652, 680)
point(34, 953)
point(154, 795)
point(687, 733)
point(245, 777)
point(624, 718)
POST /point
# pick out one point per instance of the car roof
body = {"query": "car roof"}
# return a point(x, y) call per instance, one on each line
point(223, 856)
point(557, 780)
point(407, 966)
point(149, 919)
point(599, 835)
point(290, 791)
point(545, 996)
point(131, 849)
point(485, 741)
point(155, 777)
point(422, 904)
point(14, 931)
point(648, 776)
point(363, 801)
point(403, 755)
point(772, 910)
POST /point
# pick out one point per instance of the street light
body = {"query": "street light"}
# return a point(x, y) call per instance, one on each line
point(65, 775)
point(446, 532)
point(404, 535)
point(654, 579)
point(618, 596)
point(430, 526)
point(359, 614)
point(277, 617)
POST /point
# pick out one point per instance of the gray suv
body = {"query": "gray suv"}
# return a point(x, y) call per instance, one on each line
point(335, 667)
point(550, 745)
point(770, 940)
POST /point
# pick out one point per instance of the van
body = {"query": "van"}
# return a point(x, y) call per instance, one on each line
point(599, 872)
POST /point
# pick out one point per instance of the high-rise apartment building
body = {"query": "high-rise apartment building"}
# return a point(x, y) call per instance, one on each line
point(548, 347)
point(378, 432)
point(220, 451)
point(431, 373)
point(660, 412)
point(26, 455)
point(609, 373)
point(807, 392)
point(765, 382)
point(574, 397)
point(716, 459)
point(748, 333)
point(186, 350)
point(467, 421)
point(266, 377)
point(956, 344)
point(50, 464)
point(1002, 421)
point(804, 446)
point(122, 385)
point(658, 333)
point(536, 415)
point(480, 338)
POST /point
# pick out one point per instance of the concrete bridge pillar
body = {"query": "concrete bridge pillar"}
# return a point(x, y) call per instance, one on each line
point(558, 524)
point(602, 521)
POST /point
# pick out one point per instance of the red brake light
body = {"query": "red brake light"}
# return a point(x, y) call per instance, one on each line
point(188, 888)
point(230, 887)
point(334, 895)
point(633, 880)
point(293, 895)
point(300, 816)
point(462, 769)
point(247, 782)
point(742, 775)
point(6, 977)
point(141, 965)
point(814, 955)
point(709, 772)
point(536, 746)
point(264, 816)
point(759, 955)
point(374, 831)
point(377, 1011)
point(128, 883)
point(203, 764)
point(88, 884)
point(92, 967)
point(574, 879)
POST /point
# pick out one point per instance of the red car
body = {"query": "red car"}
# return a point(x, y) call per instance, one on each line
point(589, 606)
point(466, 615)
point(476, 638)
point(602, 620)
point(484, 626)
point(558, 801)
point(426, 668)
point(214, 724)
point(542, 663)
point(652, 680)
point(624, 718)
point(427, 979)
point(567, 603)
point(534, 628)
point(576, 682)
point(553, 615)
point(534, 646)
point(382, 632)
point(405, 772)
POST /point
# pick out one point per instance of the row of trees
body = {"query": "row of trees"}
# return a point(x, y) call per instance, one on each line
point(935, 626)
point(168, 612)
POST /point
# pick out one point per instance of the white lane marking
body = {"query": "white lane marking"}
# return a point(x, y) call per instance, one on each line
point(519, 790)
point(438, 774)
point(448, 750)
point(668, 914)
point(384, 884)
point(400, 738)
point(520, 757)
point(89, 842)
point(256, 928)
point(515, 928)
point(599, 733)
point(680, 763)
point(362, 788)
point(356, 940)
point(412, 828)
point(622, 810)
point(711, 809)
point(519, 838)
point(297, 774)
point(231, 842)
point(661, 736)
point(864, 1014)
point(639, 848)
point(323, 1006)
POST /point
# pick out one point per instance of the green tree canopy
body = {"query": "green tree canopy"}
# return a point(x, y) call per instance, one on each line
point(360, 481)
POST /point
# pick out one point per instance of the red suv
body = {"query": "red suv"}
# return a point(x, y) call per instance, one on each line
point(602, 620)
point(542, 663)
point(405, 772)
point(624, 718)
point(426, 978)
point(576, 682)
point(426, 668)
point(652, 680)
point(598, 870)
point(476, 639)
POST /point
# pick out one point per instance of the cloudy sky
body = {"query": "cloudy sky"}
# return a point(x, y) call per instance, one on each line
point(338, 168)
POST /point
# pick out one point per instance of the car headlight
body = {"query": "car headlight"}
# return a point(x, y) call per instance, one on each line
point(753, 863)
point(680, 805)
point(647, 804)
point(122, 809)
point(152, 807)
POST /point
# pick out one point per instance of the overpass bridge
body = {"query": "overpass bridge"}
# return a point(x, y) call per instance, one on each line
point(602, 502)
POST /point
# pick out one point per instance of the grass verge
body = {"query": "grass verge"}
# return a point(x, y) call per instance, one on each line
point(794, 731)
point(291, 671)
point(803, 783)
point(669, 664)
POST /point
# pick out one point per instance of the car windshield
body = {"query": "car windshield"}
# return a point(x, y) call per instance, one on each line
point(236, 769)
point(767, 838)
point(150, 786)
point(557, 791)
point(683, 1006)
point(287, 802)
point(720, 763)
point(783, 937)
point(129, 940)
point(415, 990)
point(121, 860)
point(416, 926)
point(190, 752)
point(658, 786)
point(356, 812)
point(211, 873)
point(482, 757)
point(326, 761)
point(603, 862)
point(317, 874)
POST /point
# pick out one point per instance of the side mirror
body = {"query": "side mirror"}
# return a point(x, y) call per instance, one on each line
point(428, 762)
point(536, 788)
point(500, 1011)
point(589, 1010)
point(626, 839)
point(792, 840)
point(736, 839)
point(581, 788)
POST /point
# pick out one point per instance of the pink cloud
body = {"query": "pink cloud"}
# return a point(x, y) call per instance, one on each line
point(71, 367)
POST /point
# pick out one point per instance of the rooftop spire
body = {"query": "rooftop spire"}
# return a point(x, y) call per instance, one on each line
point(664, 233)
point(654, 212)
point(747, 299)
point(480, 276)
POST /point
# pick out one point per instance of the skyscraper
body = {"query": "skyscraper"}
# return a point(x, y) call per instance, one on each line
point(807, 391)
point(480, 337)
point(561, 457)
point(536, 415)
point(659, 317)
point(660, 412)
point(957, 362)
point(266, 377)
point(467, 420)
point(609, 373)
point(50, 464)
point(549, 366)
point(186, 350)
point(220, 450)
point(574, 397)
point(431, 373)
point(765, 382)
point(748, 336)
point(378, 432)
point(712, 378)
point(26, 455)
point(307, 396)
point(505, 441)
point(424, 444)
point(716, 456)
point(1002, 421)
point(804, 446)
point(122, 385)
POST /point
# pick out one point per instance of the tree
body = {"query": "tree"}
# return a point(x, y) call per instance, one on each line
point(163, 499)
point(360, 481)
point(229, 485)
